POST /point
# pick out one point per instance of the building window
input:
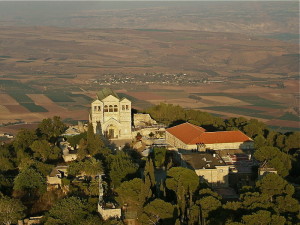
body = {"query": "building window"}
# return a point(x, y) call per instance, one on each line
point(111, 108)
point(115, 108)
point(105, 108)
point(95, 108)
point(127, 107)
point(123, 107)
point(99, 108)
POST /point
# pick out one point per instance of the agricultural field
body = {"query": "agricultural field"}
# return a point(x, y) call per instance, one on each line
point(220, 73)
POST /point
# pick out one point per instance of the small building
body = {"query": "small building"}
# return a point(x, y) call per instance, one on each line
point(57, 173)
point(143, 120)
point(69, 154)
point(210, 167)
point(264, 169)
point(190, 137)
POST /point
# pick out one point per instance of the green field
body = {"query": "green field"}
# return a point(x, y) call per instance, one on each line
point(32, 107)
point(59, 96)
point(21, 97)
point(87, 98)
point(290, 117)
point(235, 110)
point(139, 103)
point(253, 100)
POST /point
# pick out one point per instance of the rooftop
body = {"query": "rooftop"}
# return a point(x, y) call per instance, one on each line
point(186, 132)
point(203, 160)
point(192, 134)
point(103, 93)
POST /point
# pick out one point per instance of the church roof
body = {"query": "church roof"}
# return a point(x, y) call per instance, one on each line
point(192, 134)
point(103, 93)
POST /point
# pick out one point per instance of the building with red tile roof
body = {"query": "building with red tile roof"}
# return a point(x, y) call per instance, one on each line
point(187, 136)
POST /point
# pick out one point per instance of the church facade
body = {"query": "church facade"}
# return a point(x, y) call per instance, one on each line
point(111, 115)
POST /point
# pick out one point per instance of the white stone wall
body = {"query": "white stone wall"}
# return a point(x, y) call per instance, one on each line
point(53, 180)
point(109, 213)
point(215, 177)
point(175, 142)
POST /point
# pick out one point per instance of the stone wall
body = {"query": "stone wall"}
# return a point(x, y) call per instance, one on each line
point(109, 213)
point(217, 177)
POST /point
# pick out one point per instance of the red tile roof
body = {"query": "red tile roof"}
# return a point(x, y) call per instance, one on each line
point(186, 132)
point(192, 134)
point(222, 137)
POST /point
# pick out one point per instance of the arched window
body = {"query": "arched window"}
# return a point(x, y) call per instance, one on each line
point(127, 107)
point(99, 108)
point(111, 108)
point(105, 108)
point(123, 107)
point(95, 108)
point(115, 108)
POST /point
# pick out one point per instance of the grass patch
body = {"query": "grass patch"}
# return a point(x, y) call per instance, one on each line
point(32, 107)
point(21, 97)
point(59, 97)
point(289, 116)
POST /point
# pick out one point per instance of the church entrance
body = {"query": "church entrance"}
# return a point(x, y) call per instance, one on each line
point(111, 132)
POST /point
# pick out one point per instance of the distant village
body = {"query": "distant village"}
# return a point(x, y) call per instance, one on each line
point(158, 78)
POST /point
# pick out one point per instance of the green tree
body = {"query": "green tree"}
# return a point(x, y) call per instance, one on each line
point(158, 211)
point(129, 194)
point(292, 141)
point(184, 183)
point(259, 141)
point(287, 204)
point(94, 142)
point(82, 151)
point(273, 185)
point(159, 156)
point(6, 158)
point(74, 140)
point(50, 129)
point(68, 211)
point(263, 217)
point(275, 158)
point(11, 210)
point(149, 171)
point(24, 139)
point(44, 151)
point(254, 127)
point(30, 182)
point(92, 167)
point(120, 167)
point(208, 204)
point(280, 141)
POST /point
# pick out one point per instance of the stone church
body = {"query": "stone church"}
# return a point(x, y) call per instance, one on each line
point(111, 115)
